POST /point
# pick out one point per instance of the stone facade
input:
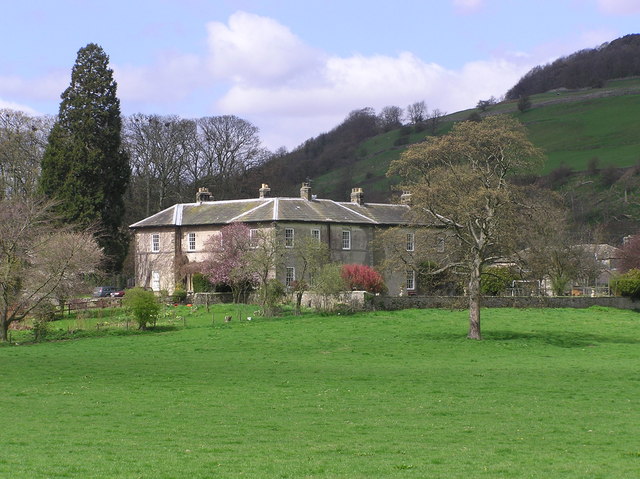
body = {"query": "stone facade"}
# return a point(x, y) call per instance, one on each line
point(171, 243)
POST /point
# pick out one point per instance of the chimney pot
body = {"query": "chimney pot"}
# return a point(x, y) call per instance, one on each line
point(203, 194)
point(357, 196)
point(305, 191)
point(264, 190)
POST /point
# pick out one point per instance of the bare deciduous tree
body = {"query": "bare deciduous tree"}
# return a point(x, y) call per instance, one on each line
point(390, 118)
point(160, 148)
point(22, 142)
point(460, 182)
point(228, 146)
point(434, 120)
point(39, 258)
point(264, 258)
point(424, 249)
point(550, 253)
point(417, 112)
point(311, 255)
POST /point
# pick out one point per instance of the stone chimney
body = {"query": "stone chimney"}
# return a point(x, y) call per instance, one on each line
point(405, 198)
point(264, 190)
point(305, 191)
point(203, 194)
point(357, 196)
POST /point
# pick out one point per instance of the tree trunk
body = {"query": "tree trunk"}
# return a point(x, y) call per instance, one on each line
point(474, 302)
point(4, 329)
point(298, 302)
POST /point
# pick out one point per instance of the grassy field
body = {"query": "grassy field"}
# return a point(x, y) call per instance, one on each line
point(549, 393)
point(573, 133)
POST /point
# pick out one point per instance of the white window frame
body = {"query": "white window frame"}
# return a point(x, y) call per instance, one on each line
point(290, 276)
point(253, 238)
point(411, 280)
point(289, 237)
point(155, 243)
point(191, 241)
point(411, 242)
point(346, 239)
point(155, 281)
point(315, 234)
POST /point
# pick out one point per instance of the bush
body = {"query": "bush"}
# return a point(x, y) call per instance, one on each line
point(495, 281)
point(524, 103)
point(559, 177)
point(627, 284)
point(403, 140)
point(609, 175)
point(271, 294)
point(442, 283)
point(362, 278)
point(328, 283)
point(143, 305)
point(201, 284)
point(474, 116)
point(179, 294)
point(43, 315)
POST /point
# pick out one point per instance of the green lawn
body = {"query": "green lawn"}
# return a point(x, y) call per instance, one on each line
point(549, 393)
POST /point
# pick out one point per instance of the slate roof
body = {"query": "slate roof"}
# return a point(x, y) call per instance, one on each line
point(260, 210)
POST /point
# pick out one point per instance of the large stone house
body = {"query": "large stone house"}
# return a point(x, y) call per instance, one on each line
point(170, 244)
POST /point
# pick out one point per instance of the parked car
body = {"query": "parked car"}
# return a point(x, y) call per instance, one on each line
point(103, 291)
point(117, 294)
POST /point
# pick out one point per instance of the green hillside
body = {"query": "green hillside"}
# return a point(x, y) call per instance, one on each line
point(575, 132)
point(574, 128)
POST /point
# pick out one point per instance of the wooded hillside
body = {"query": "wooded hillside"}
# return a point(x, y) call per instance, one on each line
point(583, 69)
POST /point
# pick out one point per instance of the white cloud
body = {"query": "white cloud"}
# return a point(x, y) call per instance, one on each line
point(46, 87)
point(11, 105)
point(619, 7)
point(258, 50)
point(467, 6)
point(291, 90)
point(169, 79)
point(258, 69)
point(378, 81)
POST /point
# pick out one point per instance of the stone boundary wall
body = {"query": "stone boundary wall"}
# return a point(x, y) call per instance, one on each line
point(462, 302)
point(352, 299)
point(213, 298)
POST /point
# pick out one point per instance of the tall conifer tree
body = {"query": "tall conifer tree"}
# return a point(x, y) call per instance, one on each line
point(84, 166)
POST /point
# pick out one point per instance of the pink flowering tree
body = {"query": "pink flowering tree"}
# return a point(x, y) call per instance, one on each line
point(229, 260)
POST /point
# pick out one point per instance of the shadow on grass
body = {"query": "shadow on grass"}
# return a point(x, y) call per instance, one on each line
point(565, 339)
point(66, 335)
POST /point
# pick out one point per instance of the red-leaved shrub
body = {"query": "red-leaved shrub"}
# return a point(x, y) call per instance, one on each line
point(360, 277)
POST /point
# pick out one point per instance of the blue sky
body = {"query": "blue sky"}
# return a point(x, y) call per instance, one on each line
point(295, 68)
